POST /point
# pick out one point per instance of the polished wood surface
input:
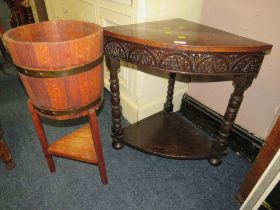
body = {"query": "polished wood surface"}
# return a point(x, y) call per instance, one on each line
point(116, 128)
point(95, 134)
point(184, 35)
point(62, 72)
point(168, 106)
point(240, 83)
point(41, 134)
point(266, 154)
point(57, 47)
point(144, 45)
point(168, 135)
point(77, 145)
point(83, 144)
point(5, 154)
point(180, 47)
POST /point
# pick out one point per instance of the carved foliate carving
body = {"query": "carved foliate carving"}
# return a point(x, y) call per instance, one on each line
point(247, 63)
point(176, 62)
point(184, 62)
point(116, 49)
point(142, 55)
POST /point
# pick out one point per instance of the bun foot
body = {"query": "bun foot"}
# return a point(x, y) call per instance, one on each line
point(215, 161)
point(117, 145)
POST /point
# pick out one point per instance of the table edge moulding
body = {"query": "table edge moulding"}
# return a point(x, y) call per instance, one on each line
point(180, 47)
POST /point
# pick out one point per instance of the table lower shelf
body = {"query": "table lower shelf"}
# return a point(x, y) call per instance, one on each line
point(168, 135)
point(77, 145)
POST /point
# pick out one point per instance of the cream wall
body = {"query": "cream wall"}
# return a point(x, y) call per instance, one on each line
point(148, 100)
point(166, 9)
point(139, 97)
point(256, 19)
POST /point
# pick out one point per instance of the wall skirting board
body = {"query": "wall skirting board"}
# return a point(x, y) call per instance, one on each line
point(242, 141)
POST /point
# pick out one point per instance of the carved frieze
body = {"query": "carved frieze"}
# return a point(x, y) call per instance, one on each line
point(182, 61)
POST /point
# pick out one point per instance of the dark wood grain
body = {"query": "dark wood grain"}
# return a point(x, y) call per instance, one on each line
point(179, 46)
point(184, 62)
point(268, 151)
point(168, 135)
point(241, 83)
point(198, 38)
point(168, 105)
point(117, 131)
point(240, 140)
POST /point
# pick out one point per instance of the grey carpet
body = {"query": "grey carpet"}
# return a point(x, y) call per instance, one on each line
point(136, 180)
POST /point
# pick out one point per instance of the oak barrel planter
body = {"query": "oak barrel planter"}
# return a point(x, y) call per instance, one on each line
point(60, 65)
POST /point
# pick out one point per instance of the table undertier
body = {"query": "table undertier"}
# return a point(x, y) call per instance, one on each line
point(168, 135)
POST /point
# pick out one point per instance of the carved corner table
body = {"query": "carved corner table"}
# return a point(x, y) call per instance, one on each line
point(179, 47)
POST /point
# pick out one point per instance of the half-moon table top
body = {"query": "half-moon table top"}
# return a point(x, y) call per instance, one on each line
point(184, 35)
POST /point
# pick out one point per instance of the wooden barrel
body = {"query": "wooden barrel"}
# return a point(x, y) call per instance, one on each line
point(60, 65)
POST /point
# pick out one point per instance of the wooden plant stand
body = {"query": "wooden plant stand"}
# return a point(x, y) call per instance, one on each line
point(83, 144)
point(62, 72)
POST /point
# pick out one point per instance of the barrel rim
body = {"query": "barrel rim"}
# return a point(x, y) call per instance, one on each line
point(6, 37)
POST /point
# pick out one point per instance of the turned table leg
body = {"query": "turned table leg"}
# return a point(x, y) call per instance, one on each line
point(240, 83)
point(5, 154)
point(168, 105)
point(117, 130)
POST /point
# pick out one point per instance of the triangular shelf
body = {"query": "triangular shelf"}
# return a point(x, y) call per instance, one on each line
point(77, 145)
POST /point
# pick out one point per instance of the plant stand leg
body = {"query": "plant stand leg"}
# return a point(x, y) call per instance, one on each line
point(41, 134)
point(94, 127)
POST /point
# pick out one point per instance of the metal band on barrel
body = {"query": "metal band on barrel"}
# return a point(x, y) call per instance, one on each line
point(60, 73)
point(70, 111)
